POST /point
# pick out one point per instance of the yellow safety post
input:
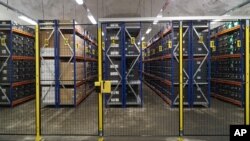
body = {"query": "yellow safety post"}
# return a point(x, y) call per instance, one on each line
point(247, 74)
point(181, 82)
point(38, 116)
point(100, 98)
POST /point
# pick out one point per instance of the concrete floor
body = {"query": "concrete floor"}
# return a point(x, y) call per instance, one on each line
point(91, 138)
point(155, 118)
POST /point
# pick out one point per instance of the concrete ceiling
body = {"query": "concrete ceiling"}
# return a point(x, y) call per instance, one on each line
point(68, 9)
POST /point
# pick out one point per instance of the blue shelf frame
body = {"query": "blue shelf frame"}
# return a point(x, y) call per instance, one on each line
point(10, 61)
point(139, 64)
point(56, 27)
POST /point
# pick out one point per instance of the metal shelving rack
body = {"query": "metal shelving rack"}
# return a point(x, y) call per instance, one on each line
point(123, 64)
point(228, 58)
point(63, 65)
point(16, 86)
point(162, 53)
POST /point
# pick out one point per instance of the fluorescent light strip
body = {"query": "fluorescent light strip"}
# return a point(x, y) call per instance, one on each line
point(148, 30)
point(142, 38)
point(91, 18)
point(28, 20)
point(80, 2)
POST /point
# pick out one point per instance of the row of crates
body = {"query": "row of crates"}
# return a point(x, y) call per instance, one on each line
point(17, 65)
point(122, 63)
point(161, 63)
point(227, 70)
point(68, 63)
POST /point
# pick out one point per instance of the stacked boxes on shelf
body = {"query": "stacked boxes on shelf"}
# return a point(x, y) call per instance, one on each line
point(228, 62)
point(17, 65)
point(123, 64)
point(64, 61)
point(161, 63)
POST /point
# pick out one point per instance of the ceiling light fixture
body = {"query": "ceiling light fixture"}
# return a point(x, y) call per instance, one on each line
point(142, 38)
point(102, 34)
point(91, 18)
point(148, 30)
point(158, 16)
point(80, 2)
point(28, 20)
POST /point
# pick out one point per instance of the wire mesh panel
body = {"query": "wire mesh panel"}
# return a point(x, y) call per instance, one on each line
point(226, 74)
point(17, 78)
point(137, 109)
point(68, 70)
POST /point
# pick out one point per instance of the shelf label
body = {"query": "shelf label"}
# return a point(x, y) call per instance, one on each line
point(103, 45)
point(113, 41)
point(46, 42)
point(201, 39)
point(160, 48)
point(3, 43)
point(144, 45)
point(212, 44)
point(238, 43)
point(169, 44)
point(66, 41)
point(133, 40)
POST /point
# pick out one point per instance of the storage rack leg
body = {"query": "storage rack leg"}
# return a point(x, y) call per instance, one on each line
point(38, 113)
point(181, 81)
point(247, 104)
point(100, 97)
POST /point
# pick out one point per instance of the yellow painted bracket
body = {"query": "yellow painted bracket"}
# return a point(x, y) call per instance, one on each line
point(66, 41)
point(3, 43)
point(132, 40)
point(169, 44)
point(238, 43)
point(113, 41)
point(160, 48)
point(103, 86)
point(212, 46)
point(201, 39)
point(106, 87)
point(144, 45)
point(46, 42)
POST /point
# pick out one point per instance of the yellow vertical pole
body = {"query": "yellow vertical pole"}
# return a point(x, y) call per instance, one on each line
point(247, 74)
point(100, 98)
point(38, 120)
point(181, 81)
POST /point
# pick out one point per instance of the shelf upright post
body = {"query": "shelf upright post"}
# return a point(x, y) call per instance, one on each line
point(57, 65)
point(100, 96)
point(172, 64)
point(181, 80)
point(106, 45)
point(242, 62)
point(74, 57)
point(209, 66)
point(247, 104)
point(123, 61)
point(38, 102)
point(84, 64)
point(190, 64)
point(141, 68)
point(10, 68)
